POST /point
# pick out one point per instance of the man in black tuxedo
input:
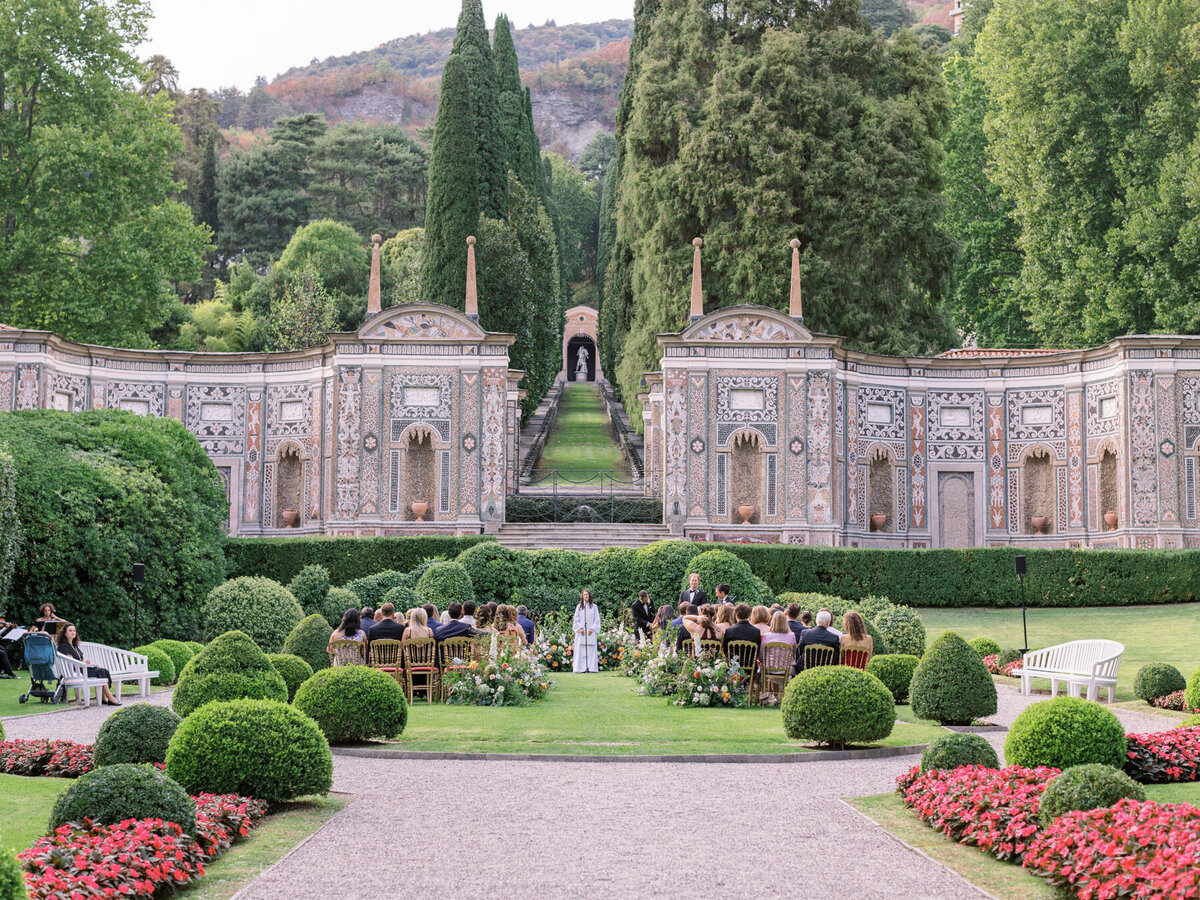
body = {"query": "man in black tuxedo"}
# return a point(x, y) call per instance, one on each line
point(692, 593)
point(742, 630)
point(386, 628)
point(722, 592)
point(820, 636)
point(526, 623)
point(643, 615)
point(455, 627)
point(793, 620)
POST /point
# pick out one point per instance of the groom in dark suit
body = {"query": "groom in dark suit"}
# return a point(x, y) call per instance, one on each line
point(692, 593)
point(643, 615)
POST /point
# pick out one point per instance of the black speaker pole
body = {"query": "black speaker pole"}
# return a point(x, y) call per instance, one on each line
point(1019, 564)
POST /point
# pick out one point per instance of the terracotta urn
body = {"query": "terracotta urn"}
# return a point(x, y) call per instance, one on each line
point(878, 520)
point(746, 511)
point(1110, 518)
point(290, 517)
point(1039, 524)
point(419, 508)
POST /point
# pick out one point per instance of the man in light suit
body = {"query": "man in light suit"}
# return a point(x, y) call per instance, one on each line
point(692, 593)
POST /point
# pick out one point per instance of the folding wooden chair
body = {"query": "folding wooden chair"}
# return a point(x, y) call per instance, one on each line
point(775, 666)
point(420, 666)
point(856, 658)
point(346, 653)
point(746, 654)
point(387, 656)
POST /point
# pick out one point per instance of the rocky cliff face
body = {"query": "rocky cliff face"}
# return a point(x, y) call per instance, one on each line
point(564, 123)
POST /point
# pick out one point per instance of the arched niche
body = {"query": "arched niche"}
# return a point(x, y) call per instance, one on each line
point(1109, 487)
point(881, 489)
point(418, 474)
point(585, 343)
point(747, 477)
point(1037, 491)
point(289, 485)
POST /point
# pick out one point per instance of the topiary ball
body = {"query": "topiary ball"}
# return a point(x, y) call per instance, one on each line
point(1089, 786)
point(896, 671)
point(135, 734)
point(354, 703)
point(1065, 732)
point(403, 598)
point(180, 653)
point(260, 607)
point(1191, 696)
point(309, 640)
point(257, 748)
point(1189, 722)
point(984, 646)
point(443, 584)
point(956, 750)
point(194, 646)
point(310, 587)
point(12, 882)
point(871, 607)
point(113, 794)
point(337, 601)
point(717, 566)
point(837, 705)
point(496, 571)
point(1007, 656)
point(229, 668)
point(1157, 680)
point(553, 567)
point(902, 629)
point(294, 670)
point(158, 661)
point(951, 685)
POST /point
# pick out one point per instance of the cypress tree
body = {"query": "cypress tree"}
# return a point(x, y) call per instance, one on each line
point(508, 84)
point(208, 187)
point(531, 151)
point(472, 46)
point(452, 208)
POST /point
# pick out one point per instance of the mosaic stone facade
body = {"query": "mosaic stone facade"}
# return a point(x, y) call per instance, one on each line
point(328, 431)
point(958, 432)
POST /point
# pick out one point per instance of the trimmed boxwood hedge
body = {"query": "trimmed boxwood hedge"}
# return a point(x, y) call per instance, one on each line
point(229, 668)
point(984, 646)
point(570, 508)
point(557, 568)
point(12, 882)
point(956, 750)
point(135, 734)
point(309, 641)
point(837, 705)
point(496, 571)
point(1089, 786)
point(1065, 732)
point(371, 589)
point(345, 558)
point(951, 684)
point(1156, 680)
point(158, 661)
point(443, 584)
point(261, 607)
point(895, 670)
point(310, 587)
point(354, 703)
point(180, 653)
point(294, 670)
point(113, 794)
point(611, 575)
point(1191, 695)
point(337, 601)
point(257, 748)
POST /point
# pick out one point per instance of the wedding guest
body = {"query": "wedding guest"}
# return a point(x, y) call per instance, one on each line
point(697, 628)
point(366, 618)
point(662, 621)
point(820, 636)
point(418, 625)
point(456, 627)
point(806, 619)
point(5, 666)
point(832, 629)
point(793, 620)
point(67, 644)
point(508, 615)
point(778, 631)
point(431, 617)
point(468, 616)
point(350, 629)
point(48, 619)
point(527, 623)
point(643, 614)
point(741, 630)
point(760, 618)
point(856, 636)
point(677, 622)
point(692, 593)
point(723, 597)
point(483, 622)
point(682, 633)
point(725, 618)
point(386, 628)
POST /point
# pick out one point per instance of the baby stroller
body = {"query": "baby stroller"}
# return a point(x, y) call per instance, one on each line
point(40, 656)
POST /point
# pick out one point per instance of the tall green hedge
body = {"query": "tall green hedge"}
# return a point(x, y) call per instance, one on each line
point(981, 576)
point(98, 491)
point(10, 526)
point(345, 558)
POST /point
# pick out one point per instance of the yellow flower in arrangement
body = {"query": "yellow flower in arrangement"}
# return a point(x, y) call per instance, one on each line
point(474, 664)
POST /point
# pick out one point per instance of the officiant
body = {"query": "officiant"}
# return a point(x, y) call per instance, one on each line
point(587, 635)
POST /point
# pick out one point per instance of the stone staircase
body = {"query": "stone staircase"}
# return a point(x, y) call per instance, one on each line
point(586, 537)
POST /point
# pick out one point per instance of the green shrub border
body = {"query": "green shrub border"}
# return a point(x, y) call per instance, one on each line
point(346, 558)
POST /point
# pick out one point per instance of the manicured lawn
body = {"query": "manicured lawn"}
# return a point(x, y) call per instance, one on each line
point(25, 805)
point(1174, 793)
point(10, 689)
point(603, 715)
point(1169, 634)
point(581, 441)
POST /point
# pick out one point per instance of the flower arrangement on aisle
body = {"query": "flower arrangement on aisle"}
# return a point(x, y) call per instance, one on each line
point(638, 655)
point(660, 675)
point(555, 644)
point(509, 679)
point(138, 857)
point(711, 681)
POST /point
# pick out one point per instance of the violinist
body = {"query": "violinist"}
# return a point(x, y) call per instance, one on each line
point(5, 666)
point(48, 620)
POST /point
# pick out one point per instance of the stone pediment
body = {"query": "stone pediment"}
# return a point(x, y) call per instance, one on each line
point(747, 323)
point(420, 321)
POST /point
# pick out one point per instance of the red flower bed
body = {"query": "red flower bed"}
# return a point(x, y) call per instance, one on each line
point(1174, 701)
point(137, 857)
point(56, 759)
point(991, 662)
point(1163, 757)
point(1132, 849)
point(994, 809)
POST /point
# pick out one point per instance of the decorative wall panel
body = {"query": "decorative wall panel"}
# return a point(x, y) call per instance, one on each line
point(854, 477)
point(794, 459)
point(1074, 517)
point(1168, 444)
point(492, 453)
point(916, 412)
point(29, 386)
point(349, 434)
point(250, 496)
point(820, 449)
point(1143, 473)
point(152, 395)
point(216, 415)
point(995, 413)
point(675, 445)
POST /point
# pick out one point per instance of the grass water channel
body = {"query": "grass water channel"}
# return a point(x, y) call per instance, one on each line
point(582, 442)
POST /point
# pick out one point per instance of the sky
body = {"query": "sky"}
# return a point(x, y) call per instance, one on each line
point(215, 43)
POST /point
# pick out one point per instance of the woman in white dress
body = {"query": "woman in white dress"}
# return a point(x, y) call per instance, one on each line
point(587, 630)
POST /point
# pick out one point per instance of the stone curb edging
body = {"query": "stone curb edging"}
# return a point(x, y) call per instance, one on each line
point(976, 729)
point(811, 756)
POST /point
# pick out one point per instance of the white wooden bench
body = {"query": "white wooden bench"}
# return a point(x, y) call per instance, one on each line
point(1092, 663)
point(72, 674)
point(122, 665)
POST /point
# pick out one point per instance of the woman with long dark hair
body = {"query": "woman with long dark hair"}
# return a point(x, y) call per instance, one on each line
point(67, 644)
point(587, 635)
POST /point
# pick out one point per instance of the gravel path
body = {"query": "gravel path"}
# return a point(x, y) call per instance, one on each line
point(74, 723)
